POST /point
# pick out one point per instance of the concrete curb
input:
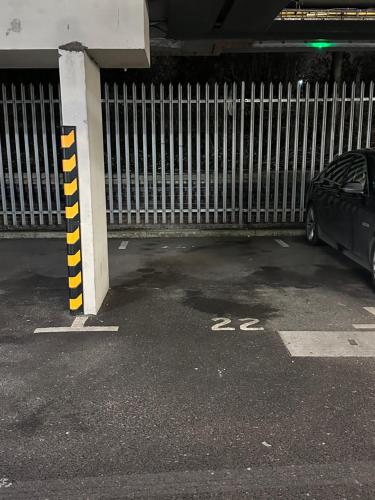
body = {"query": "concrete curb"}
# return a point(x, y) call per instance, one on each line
point(164, 233)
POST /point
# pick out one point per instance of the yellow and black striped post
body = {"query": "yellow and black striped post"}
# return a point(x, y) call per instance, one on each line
point(72, 215)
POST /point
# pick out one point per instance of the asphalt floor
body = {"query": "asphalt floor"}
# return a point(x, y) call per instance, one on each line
point(172, 405)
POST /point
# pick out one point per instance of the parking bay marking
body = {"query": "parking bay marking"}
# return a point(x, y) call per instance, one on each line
point(78, 325)
point(123, 245)
point(366, 326)
point(282, 243)
point(329, 344)
point(312, 343)
point(79, 321)
point(247, 324)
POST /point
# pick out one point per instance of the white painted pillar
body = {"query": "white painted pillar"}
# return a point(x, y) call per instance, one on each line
point(81, 107)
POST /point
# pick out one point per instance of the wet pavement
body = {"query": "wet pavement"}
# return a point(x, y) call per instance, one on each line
point(176, 405)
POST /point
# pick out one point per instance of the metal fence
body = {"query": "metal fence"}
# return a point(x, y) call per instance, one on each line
point(196, 154)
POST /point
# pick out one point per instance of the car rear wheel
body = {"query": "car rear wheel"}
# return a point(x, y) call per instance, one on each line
point(311, 226)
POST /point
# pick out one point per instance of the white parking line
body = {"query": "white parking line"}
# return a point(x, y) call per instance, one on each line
point(123, 245)
point(323, 344)
point(364, 327)
point(282, 243)
point(70, 329)
point(371, 310)
point(79, 321)
point(78, 325)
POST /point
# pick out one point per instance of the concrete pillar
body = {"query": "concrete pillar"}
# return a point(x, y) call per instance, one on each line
point(81, 107)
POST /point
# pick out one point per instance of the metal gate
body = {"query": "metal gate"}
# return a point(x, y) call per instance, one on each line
point(218, 154)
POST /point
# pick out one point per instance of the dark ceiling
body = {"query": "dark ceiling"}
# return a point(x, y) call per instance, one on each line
point(194, 20)
point(220, 18)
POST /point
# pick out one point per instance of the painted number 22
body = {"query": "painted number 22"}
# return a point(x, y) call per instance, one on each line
point(247, 325)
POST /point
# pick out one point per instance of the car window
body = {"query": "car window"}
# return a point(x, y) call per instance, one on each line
point(357, 170)
point(336, 171)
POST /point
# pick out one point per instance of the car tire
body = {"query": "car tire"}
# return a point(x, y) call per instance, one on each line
point(312, 235)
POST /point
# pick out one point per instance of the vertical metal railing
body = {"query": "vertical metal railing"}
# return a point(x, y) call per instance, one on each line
point(30, 172)
point(217, 154)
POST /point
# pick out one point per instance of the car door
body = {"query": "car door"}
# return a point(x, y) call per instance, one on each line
point(350, 168)
point(328, 193)
point(363, 211)
point(321, 195)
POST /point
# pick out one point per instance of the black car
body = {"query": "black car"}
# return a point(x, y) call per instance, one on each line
point(341, 207)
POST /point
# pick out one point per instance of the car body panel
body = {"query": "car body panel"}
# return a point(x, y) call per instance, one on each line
point(346, 220)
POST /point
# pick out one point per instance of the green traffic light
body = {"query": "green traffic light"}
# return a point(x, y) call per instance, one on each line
point(320, 44)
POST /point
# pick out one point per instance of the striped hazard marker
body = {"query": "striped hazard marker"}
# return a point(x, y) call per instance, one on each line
point(72, 215)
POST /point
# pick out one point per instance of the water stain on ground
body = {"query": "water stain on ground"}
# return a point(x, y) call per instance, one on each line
point(323, 276)
point(280, 277)
point(146, 270)
point(10, 339)
point(197, 300)
point(119, 297)
point(139, 284)
point(192, 269)
point(27, 283)
point(29, 423)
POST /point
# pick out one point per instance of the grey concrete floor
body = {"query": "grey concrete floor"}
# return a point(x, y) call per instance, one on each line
point(168, 407)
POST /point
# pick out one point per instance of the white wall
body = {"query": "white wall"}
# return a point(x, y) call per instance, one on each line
point(115, 32)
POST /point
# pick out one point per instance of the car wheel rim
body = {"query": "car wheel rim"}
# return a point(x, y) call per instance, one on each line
point(310, 226)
